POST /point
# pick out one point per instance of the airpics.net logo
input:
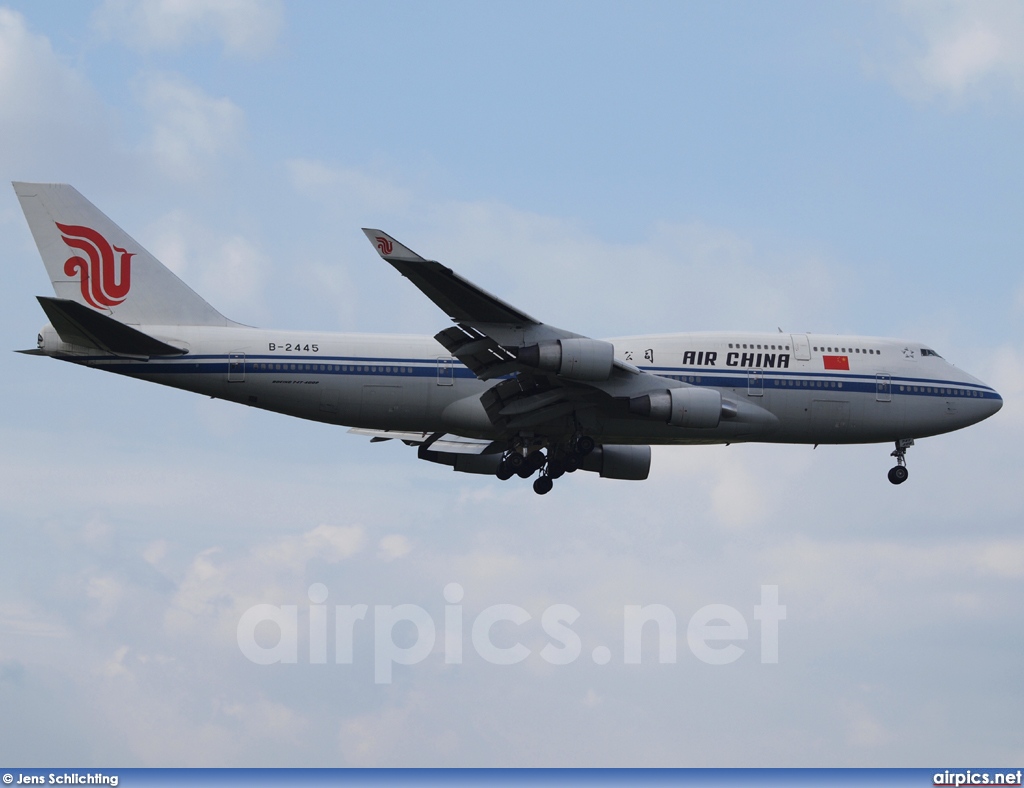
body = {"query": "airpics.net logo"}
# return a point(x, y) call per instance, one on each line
point(408, 635)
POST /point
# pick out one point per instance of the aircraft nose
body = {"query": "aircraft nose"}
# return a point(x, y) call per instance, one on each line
point(994, 403)
point(978, 408)
point(989, 404)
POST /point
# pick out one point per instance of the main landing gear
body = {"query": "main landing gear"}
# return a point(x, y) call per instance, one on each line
point(552, 465)
point(899, 473)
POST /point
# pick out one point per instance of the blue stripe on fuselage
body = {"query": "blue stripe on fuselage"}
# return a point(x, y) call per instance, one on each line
point(419, 367)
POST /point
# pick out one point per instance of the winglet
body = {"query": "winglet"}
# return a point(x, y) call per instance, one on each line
point(390, 249)
point(461, 300)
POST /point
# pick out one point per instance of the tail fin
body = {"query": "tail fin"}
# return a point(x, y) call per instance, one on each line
point(94, 262)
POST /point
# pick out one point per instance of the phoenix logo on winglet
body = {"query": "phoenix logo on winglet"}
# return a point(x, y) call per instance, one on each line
point(384, 245)
point(102, 287)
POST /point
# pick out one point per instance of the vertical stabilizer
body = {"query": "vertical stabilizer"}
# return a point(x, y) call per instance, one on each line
point(94, 262)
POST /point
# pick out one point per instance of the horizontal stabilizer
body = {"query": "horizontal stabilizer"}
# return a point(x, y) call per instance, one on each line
point(77, 324)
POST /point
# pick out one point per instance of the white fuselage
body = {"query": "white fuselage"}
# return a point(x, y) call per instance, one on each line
point(786, 390)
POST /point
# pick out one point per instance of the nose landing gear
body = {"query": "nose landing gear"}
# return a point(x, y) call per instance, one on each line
point(899, 473)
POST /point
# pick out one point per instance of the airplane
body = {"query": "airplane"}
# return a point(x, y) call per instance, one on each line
point(499, 392)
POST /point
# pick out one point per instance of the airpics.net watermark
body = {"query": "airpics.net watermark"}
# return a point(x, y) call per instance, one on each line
point(712, 632)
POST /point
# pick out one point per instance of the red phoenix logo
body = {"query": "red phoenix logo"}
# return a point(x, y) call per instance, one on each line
point(384, 245)
point(105, 282)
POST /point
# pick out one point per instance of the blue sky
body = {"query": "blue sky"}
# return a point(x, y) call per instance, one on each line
point(614, 169)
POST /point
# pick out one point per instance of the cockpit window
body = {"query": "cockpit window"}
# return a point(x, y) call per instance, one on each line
point(927, 352)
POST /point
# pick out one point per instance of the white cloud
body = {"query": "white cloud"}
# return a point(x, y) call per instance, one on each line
point(228, 270)
point(347, 186)
point(962, 48)
point(28, 63)
point(115, 667)
point(263, 719)
point(680, 273)
point(19, 618)
point(334, 285)
point(864, 729)
point(234, 270)
point(191, 130)
point(106, 593)
point(1004, 371)
point(51, 116)
point(248, 28)
point(393, 546)
point(597, 545)
point(155, 552)
point(372, 739)
point(216, 589)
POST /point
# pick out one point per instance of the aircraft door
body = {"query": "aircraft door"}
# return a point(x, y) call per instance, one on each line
point(445, 371)
point(883, 388)
point(236, 367)
point(801, 347)
point(755, 383)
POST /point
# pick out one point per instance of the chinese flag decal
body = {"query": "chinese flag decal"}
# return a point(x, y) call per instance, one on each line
point(836, 362)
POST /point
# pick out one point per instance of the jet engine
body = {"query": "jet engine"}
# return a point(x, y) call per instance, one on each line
point(619, 462)
point(683, 407)
point(577, 358)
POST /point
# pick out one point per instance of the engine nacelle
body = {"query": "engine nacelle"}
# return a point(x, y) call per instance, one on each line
point(632, 463)
point(697, 407)
point(578, 358)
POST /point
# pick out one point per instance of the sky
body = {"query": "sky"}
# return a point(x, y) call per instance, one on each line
point(610, 168)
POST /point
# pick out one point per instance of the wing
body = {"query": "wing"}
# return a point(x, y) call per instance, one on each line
point(489, 329)
point(463, 301)
point(548, 376)
point(491, 334)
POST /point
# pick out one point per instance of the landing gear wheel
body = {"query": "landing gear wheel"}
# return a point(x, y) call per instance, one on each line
point(572, 463)
point(505, 471)
point(515, 461)
point(542, 485)
point(526, 471)
point(584, 445)
point(898, 474)
point(556, 468)
point(535, 459)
